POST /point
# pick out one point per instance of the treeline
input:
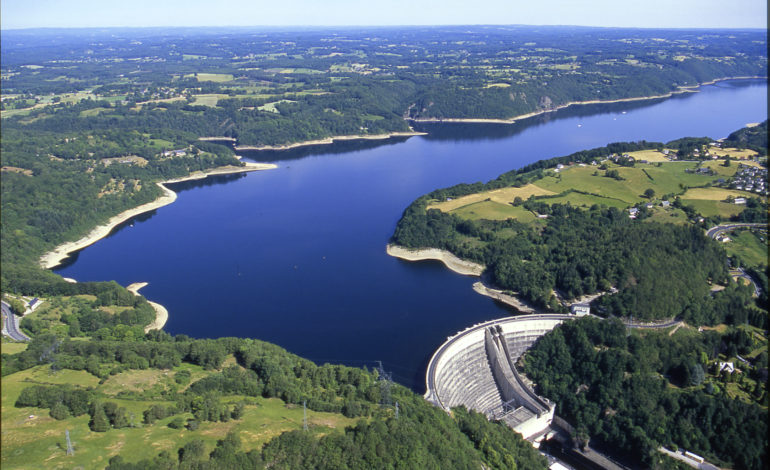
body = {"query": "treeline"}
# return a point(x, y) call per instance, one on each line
point(614, 388)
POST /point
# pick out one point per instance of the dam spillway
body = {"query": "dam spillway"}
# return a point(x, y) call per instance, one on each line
point(476, 368)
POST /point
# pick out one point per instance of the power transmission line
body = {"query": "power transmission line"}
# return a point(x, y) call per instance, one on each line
point(385, 381)
point(70, 450)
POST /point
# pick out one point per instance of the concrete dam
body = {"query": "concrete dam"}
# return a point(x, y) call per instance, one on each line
point(476, 368)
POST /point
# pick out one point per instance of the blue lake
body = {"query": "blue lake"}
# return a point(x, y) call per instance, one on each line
point(296, 256)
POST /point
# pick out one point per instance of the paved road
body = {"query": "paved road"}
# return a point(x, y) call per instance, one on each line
point(745, 275)
point(714, 231)
point(11, 324)
point(632, 324)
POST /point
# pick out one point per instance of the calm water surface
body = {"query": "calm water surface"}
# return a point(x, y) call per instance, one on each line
point(296, 256)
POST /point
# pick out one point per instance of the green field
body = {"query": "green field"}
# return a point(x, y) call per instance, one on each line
point(270, 107)
point(492, 210)
point(749, 246)
point(38, 442)
point(213, 77)
point(586, 200)
point(210, 100)
point(590, 186)
point(9, 347)
point(713, 208)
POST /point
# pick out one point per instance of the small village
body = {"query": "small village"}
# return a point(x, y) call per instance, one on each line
point(750, 178)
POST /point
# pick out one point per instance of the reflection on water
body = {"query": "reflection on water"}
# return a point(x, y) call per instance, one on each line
point(337, 147)
point(212, 180)
point(462, 131)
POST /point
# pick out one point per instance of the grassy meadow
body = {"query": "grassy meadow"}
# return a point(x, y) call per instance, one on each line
point(31, 439)
point(584, 186)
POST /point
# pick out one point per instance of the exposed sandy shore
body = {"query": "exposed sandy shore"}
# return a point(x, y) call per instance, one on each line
point(328, 140)
point(161, 314)
point(460, 266)
point(58, 254)
point(681, 89)
point(501, 296)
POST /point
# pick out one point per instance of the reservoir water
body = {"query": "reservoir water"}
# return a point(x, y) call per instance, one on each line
point(296, 255)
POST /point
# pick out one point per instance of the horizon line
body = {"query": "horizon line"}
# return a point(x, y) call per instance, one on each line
point(382, 26)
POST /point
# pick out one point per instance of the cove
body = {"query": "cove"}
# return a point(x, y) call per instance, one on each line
point(296, 255)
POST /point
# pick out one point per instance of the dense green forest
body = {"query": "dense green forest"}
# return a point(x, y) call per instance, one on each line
point(630, 393)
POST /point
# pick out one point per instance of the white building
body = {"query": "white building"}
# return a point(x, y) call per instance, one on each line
point(580, 310)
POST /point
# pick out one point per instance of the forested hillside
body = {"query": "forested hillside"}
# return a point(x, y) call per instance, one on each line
point(550, 247)
point(630, 393)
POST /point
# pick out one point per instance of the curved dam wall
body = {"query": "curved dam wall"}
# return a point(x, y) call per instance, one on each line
point(476, 368)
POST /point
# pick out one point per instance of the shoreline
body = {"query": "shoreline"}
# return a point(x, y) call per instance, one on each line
point(161, 314)
point(511, 300)
point(679, 90)
point(460, 266)
point(328, 140)
point(55, 257)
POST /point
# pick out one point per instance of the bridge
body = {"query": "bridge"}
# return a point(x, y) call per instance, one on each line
point(476, 368)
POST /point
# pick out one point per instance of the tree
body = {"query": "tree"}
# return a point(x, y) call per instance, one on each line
point(59, 411)
point(17, 306)
point(121, 419)
point(649, 193)
point(192, 451)
point(697, 374)
point(238, 409)
point(99, 421)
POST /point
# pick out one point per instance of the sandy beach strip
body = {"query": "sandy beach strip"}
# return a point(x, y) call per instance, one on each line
point(161, 314)
point(460, 266)
point(328, 140)
point(503, 297)
point(58, 254)
point(679, 90)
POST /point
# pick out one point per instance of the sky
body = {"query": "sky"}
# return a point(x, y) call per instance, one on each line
point(17, 14)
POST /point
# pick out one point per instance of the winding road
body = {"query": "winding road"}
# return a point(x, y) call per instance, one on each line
point(714, 231)
point(10, 324)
